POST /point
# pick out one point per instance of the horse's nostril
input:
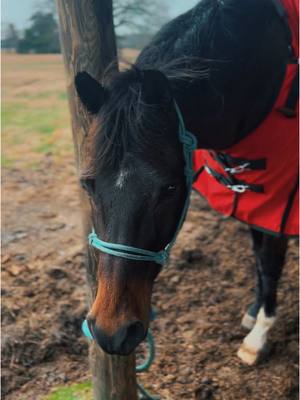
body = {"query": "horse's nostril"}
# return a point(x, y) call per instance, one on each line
point(129, 336)
point(123, 342)
point(135, 330)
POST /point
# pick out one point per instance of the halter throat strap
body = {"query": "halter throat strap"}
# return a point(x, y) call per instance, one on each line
point(189, 144)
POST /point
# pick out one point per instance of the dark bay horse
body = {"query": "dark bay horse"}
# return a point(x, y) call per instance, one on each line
point(223, 62)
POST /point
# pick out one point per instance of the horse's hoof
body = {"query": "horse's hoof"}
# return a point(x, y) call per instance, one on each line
point(248, 322)
point(248, 355)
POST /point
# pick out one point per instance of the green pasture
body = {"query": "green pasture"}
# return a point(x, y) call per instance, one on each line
point(35, 118)
point(78, 391)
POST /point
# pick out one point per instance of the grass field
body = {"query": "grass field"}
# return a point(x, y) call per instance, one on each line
point(35, 114)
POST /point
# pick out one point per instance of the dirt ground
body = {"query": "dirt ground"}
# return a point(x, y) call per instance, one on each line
point(200, 298)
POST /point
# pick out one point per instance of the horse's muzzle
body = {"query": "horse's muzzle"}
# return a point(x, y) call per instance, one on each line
point(123, 341)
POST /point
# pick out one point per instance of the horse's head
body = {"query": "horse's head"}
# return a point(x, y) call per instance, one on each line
point(137, 189)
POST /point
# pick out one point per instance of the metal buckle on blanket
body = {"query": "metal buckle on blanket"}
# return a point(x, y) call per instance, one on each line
point(238, 188)
point(238, 169)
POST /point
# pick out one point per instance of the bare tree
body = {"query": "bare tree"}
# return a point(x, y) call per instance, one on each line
point(10, 37)
point(139, 15)
point(130, 16)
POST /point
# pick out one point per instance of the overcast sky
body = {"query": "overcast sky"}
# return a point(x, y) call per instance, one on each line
point(19, 11)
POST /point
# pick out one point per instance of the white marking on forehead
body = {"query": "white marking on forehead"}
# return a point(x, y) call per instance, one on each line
point(121, 180)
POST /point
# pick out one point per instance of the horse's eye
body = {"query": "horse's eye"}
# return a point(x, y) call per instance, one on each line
point(88, 185)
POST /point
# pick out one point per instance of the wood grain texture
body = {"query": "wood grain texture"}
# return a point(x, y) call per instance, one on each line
point(88, 44)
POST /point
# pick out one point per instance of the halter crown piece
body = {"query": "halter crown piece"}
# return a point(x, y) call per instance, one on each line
point(189, 144)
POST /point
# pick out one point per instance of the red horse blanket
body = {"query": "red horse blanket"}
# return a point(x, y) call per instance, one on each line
point(256, 180)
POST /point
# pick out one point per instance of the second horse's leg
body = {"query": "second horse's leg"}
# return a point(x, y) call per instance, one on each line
point(250, 316)
point(270, 255)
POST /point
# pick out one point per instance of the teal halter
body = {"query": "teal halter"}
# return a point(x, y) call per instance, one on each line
point(189, 144)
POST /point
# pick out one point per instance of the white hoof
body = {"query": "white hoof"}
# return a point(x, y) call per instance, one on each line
point(255, 342)
point(248, 355)
point(248, 321)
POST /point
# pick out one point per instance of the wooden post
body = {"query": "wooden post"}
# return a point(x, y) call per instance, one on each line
point(88, 44)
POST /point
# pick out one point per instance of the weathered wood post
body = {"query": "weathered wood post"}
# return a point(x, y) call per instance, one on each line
point(88, 44)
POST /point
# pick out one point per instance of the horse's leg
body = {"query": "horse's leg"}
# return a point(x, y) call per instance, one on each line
point(250, 316)
point(270, 255)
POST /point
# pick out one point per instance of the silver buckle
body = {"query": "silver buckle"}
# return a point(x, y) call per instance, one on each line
point(238, 169)
point(238, 188)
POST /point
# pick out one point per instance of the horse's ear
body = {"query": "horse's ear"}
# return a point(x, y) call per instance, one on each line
point(90, 92)
point(156, 87)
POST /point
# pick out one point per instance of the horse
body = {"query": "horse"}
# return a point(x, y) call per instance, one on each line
point(223, 63)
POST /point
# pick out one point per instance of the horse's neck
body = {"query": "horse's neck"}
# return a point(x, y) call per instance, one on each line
point(220, 119)
point(242, 85)
point(205, 115)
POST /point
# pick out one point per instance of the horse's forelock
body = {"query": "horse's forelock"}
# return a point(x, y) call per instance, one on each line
point(119, 125)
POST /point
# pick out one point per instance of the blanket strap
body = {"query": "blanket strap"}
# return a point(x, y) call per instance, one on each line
point(234, 184)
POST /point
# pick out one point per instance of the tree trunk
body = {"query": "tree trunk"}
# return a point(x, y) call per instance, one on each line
point(88, 44)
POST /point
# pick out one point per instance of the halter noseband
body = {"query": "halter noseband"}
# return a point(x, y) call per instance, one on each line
point(189, 144)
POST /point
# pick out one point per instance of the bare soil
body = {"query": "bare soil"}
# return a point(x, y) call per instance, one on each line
point(200, 297)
